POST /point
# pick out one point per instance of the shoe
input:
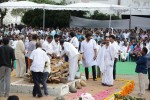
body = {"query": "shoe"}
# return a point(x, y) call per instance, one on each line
point(39, 96)
point(148, 89)
point(140, 94)
point(34, 95)
point(103, 84)
point(94, 80)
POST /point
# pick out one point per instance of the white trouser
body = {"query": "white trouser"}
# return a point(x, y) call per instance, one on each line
point(73, 68)
point(20, 67)
point(141, 82)
point(124, 56)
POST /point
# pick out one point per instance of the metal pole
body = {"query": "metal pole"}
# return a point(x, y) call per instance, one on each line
point(110, 14)
point(43, 19)
point(110, 20)
point(130, 20)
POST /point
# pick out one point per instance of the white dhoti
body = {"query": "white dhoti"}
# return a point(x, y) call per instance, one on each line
point(73, 67)
point(124, 56)
point(107, 76)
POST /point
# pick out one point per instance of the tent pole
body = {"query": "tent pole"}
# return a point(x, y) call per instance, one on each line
point(110, 21)
point(43, 19)
point(130, 20)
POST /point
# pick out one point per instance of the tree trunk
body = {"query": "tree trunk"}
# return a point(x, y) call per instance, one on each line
point(2, 13)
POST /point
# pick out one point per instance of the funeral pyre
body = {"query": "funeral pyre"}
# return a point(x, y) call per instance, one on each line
point(59, 72)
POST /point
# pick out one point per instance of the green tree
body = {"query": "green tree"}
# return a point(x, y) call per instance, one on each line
point(2, 12)
point(52, 18)
point(102, 16)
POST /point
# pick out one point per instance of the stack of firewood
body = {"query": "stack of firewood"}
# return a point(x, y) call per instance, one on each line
point(59, 72)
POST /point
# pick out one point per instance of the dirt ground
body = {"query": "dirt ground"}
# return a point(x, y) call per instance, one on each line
point(93, 87)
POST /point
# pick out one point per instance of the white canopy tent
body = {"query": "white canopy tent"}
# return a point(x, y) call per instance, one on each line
point(76, 6)
point(94, 6)
point(19, 4)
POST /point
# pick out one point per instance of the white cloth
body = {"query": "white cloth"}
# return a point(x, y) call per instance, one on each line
point(141, 82)
point(14, 43)
point(75, 42)
point(69, 50)
point(73, 56)
point(87, 48)
point(47, 67)
point(56, 47)
point(39, 58)
point(73, 67)
point(116, 48)
point(47, 47)
point(105, 59)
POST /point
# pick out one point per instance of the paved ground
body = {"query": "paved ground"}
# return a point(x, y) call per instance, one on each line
point(93, 88)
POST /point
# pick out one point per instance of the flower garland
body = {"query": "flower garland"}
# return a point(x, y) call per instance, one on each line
point(125, 90)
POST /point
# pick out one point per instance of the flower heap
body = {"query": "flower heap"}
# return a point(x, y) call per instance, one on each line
point(125, 90)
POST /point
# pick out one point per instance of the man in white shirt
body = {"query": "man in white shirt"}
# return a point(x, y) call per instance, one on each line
point(73, 55)
point(38, 59)
point(74, 40)
point(47, 45)
point(56, 45)
point(124, 52)
point(116, 46)
point(105, 60)
point(89, 54)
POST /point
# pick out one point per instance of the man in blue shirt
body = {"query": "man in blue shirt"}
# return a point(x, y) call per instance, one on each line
point(141, 69)
point(148, 66)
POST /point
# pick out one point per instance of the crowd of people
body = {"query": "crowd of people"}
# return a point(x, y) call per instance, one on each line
point(32, 48)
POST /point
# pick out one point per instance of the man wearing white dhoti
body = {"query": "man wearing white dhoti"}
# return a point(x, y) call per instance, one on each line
point(89, 53)
point(73, 55)
point(105, 60)
point(74, 40)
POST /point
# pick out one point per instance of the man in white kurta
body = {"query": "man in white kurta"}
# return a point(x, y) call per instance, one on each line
point(73, 56)
point(116, 50)
point(20, 57)
point(56, 45)
point(89, 50)
point(47, 46)
point(105, 60)
point(74, 40)
point(124, 52)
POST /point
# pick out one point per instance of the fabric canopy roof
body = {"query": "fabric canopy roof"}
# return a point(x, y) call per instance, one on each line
point(76, 6)
point(94, 6)
point(19, 4)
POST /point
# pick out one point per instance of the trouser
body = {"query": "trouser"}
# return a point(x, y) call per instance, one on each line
point(44, 82)
point(98, 72)
point(141, 82)
point(26, 60)
point(37, 76)
point(5, 73)
point(20, 68)
point(149, 78)
point(73, 67)
point(93, 72)
point(114, 69)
